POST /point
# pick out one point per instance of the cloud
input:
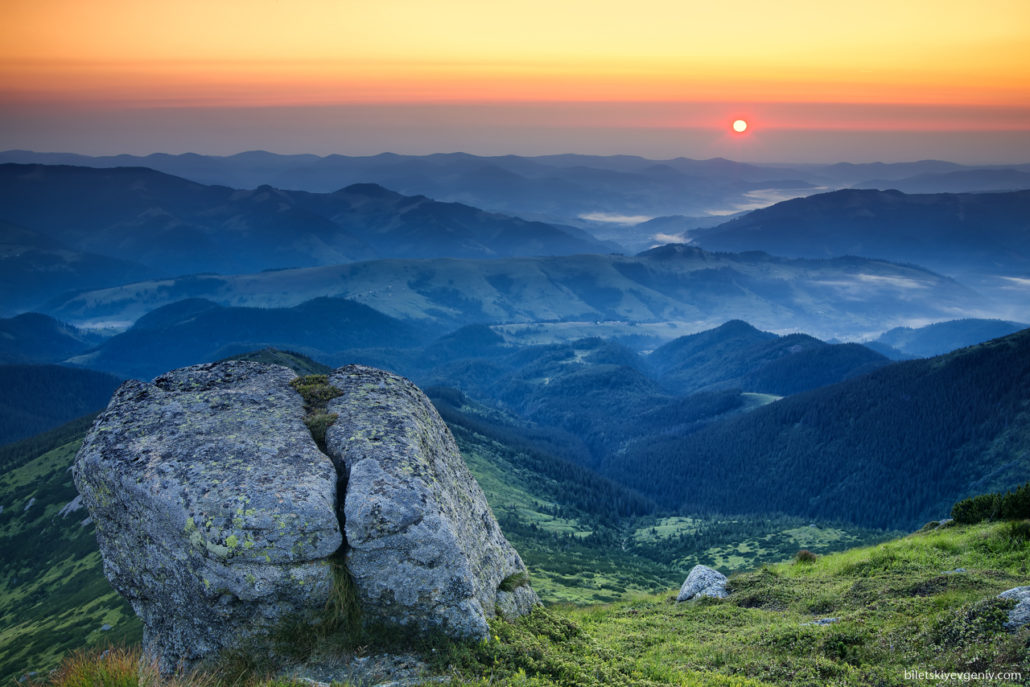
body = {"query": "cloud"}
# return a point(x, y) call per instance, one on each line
point(1017, 282)
point(896, 282)
point(615, 219)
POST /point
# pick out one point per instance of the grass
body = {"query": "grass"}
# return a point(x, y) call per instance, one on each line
point(897, 609)
point(898, 606)
point(54, 598)
point(317, 392)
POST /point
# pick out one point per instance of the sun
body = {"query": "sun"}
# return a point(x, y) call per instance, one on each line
point(739, 125)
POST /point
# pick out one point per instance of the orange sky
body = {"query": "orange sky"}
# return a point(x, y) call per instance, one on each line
point(968, 58)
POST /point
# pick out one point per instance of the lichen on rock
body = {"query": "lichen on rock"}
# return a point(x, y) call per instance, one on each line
point(221, 521)
point(214, 509)
point(423, 545)
point(703, 581)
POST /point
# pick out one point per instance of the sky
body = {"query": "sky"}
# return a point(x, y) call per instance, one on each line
point(817, 81)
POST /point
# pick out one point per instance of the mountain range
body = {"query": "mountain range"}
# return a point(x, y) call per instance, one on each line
point(559, 188)
point(895, 446)
point(658, 293)
point(983, 234)
point(176, 227)
point(940, 337)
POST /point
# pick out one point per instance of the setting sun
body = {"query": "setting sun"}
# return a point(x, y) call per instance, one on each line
point(740, 126)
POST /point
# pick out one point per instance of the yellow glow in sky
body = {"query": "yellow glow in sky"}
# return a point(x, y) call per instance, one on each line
point(339, 51)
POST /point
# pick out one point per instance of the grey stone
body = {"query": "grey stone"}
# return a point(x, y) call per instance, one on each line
point(703, 581)
point(214, 509)
point(823, 621)
point(424, 548)
point(72, 506)
point(1020, 615)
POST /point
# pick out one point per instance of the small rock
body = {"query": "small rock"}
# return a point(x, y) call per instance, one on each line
point(29, 504)
point(72, 506)
point(956, 571)
point(1020, 615)
point(105, 628)
point(822, 621)
point(703, 581)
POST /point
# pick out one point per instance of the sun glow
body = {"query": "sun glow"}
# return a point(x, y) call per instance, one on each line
point(739, 125)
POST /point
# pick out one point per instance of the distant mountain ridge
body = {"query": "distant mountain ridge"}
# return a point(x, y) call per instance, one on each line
point(195, 330)
point(179, 227)
point(941, 337)
point(36, 338)
point(552, 188)
point(893, 447)
point(36, 398)
point(981, 233)
point(829, 298)
point(736, 355)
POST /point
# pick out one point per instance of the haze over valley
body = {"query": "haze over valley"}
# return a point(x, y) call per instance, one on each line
point(441, 343)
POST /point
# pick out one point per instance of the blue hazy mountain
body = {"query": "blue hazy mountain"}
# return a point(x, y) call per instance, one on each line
point(897, 446)
point(551, 187)
point(35, 268)
point(959, 181)
point(35, 398)
point(36, 338)
point(979, 233)
point(196, 331)
point(941, 337)
point(827, 298)
point(738, 356)
point(178, 227)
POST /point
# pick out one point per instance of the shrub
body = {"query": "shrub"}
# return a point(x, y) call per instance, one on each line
point(805, 556)
point(1015, 505)
point(1019, 532)
point(115, 667)
point(976, 509)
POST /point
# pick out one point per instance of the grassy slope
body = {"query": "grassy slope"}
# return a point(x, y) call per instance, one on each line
point(577, 557)
point(53, 596)
point(900, 606)
point(897, 607)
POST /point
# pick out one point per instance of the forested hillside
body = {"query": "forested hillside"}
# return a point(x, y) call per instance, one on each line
point(894, 448)
point(35, 398)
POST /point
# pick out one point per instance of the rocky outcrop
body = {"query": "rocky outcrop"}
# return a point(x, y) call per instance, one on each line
point(703, 581)
point(213, 507)
point(219, 518)
point(423, 546)
point(1020, 615)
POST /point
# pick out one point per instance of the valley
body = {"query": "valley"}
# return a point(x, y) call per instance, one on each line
point(630, 409)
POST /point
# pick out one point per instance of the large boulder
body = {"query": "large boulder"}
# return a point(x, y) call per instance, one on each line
point(219, 518)
point(214, 509)
point(703, 581)
point(1020, 615)
point(424, 548)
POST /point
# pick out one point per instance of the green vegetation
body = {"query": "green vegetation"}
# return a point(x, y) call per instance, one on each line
point(894, 448)
point(53, 595)
point(299, 363)
point(36, 398)
point(559, 516)
point(1012, 505)
point(317, 392)
point(585, 539)
point(926, 602)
